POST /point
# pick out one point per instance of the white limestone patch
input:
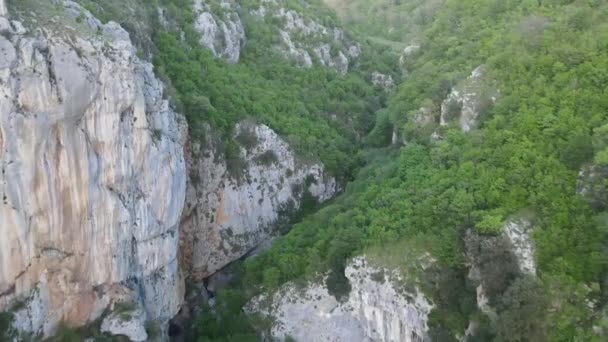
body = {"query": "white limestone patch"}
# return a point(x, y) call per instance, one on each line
point(386, 311)
point(3, 10)
point(518, 232)
point(304, 40)
point(299, 55)
point(383, 81)
point(312, 314)
point(377, 309)
point(129, 323)
point(468, 100)
point(222, 33)
point(407, 52)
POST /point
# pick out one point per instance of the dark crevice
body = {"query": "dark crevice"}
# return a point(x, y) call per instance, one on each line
point(46, 53)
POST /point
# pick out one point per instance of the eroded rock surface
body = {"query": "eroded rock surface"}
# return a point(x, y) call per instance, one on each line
point(495, 261)
point(377, 309)
point(85, 137)
point(469, 100)
point(221, 31)
point(518, 232)
point(305, 40)
point(128, 322)
point(229, 213)
point(383, 81)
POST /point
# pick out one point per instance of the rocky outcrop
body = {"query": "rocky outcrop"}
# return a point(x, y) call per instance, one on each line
point(305, 40)
point(221, 31)
point(93, 176)
point(495, 261)
point(230, 212)
point(377, 309)
point(518, 231)
point(591, 185)
point(407, 53)
point(129, 322)
point(383, 81)
point(468, 101)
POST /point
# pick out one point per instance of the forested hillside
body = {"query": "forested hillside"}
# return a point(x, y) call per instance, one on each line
point(324, 116)
point(530, 156)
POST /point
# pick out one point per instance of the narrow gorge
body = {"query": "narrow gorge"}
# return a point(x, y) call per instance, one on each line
point(303, 170)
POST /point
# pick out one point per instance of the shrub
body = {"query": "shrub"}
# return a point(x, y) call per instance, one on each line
point(152, 329)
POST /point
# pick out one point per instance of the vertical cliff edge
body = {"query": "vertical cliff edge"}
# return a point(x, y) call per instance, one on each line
point(85, 137)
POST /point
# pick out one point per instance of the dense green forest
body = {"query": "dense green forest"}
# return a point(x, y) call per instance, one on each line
point(550, 61)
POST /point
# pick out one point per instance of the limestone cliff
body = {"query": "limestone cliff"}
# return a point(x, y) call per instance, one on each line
point(305, 40)
point(377, 309)
point(494, 261)
point(85, 137)
point(229, 213)
point(302, 39)
point(221, 32)
point(468, 100)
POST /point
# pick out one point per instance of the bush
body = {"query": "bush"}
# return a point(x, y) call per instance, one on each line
point(152, 329)
point(267, 158)
point(521, 312)
point(6, 329)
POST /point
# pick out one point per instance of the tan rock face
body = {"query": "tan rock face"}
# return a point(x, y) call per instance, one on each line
point(92, 180)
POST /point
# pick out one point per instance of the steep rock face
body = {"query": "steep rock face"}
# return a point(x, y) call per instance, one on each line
point(93, 175)
point(494, 261)
point(227, 216)
point(518, 232)
point(468, 100)
point(377, 309)
point(305, 40)
point(221, 32)
point(386, 311)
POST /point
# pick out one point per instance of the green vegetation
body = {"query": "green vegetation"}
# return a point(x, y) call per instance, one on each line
point(152, 329)
point(227, 322)
point(320, 113)
point(549, 59)
point(6, 331)
point(124, 310)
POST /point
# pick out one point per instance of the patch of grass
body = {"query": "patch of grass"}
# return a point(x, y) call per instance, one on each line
point(6, 331)
point(378, 276)
point(267, 158)
point(66, 333)
point(247, 138)
point(152, 329)
point(156, 135)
